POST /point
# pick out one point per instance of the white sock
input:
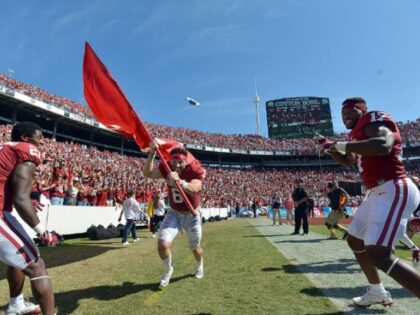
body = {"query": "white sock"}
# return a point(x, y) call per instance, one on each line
point(377, 287)
point(167, 262)
point(407, 241)
point(16, 301)
point(200, 262)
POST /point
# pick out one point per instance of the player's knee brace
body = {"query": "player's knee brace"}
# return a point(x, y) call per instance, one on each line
point(39, 278)
point(335, 226)
point(359, 251)
point(392, 266)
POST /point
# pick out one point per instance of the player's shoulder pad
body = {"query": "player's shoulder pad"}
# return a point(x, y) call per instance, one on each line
point(28, 152)
point(375, 116)
point(197, 168)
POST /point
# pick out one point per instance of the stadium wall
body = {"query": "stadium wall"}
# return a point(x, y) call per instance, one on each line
point(68, 220)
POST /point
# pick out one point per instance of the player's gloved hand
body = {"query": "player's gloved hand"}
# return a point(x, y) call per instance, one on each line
point(323, 144)
point(414, 224)
point(327, 147)
point(49, 238)
point(37, 205)
point(319, 139)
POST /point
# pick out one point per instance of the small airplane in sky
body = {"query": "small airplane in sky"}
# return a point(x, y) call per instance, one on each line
point(192, 101)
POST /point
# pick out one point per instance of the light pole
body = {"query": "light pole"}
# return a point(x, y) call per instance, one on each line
point(10, 71)
point(257, 109)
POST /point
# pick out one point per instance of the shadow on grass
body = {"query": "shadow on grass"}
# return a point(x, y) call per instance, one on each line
point(69, 301)
point(67, 254)
point(346, 266)
point(269, 269)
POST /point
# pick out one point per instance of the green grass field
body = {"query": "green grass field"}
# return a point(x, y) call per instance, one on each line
point(244, 274)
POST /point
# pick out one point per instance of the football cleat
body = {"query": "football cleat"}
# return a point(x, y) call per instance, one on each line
point(164, 281)
point(415, 255)
point(199, 273)
point(371, 297)
point(26, 308)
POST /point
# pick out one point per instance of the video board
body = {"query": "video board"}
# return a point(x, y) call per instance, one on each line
point(298, 117)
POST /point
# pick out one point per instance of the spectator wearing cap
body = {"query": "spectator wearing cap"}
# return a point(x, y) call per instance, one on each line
point(300, 198)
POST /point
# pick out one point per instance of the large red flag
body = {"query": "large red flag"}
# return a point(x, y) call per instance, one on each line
point(108, 102)
point(110, 107)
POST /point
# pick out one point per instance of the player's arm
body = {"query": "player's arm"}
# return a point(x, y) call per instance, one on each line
point(21, 180)
point(330, 147)
point(348, 159)
point(191, 187)
point(149, 170)
point(194, 186)
point(380, 141)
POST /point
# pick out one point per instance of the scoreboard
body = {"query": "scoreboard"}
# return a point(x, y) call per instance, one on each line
point(298, 117)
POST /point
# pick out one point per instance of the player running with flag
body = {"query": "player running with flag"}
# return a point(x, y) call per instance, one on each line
point(111, 107)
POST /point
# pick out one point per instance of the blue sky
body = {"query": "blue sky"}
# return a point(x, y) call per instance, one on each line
point(162, 51)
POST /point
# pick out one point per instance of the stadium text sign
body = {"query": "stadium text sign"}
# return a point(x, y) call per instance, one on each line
point(298, 117)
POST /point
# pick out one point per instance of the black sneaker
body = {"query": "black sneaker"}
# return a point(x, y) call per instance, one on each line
point(294, 233)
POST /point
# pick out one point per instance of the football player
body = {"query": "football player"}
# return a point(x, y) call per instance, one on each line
point(18, 161)
point(190, 174)
point(375, 146)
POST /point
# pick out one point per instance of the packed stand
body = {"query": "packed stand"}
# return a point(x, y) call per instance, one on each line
point(302, 146)
point(410, 132)
point(74, 174)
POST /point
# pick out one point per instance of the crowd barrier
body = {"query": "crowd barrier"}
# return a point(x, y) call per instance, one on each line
point(68, 220)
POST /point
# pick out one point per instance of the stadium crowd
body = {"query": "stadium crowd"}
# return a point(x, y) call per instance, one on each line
point(75, 174)
point(410, 130)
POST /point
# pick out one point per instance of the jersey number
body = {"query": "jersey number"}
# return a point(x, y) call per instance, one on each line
point(177, 197)
point(377, 116)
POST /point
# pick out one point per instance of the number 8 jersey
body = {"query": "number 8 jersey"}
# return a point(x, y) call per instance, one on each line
point(193, 170)
point(376, 170)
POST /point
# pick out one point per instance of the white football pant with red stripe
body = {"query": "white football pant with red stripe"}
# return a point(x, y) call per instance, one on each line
point(382, 217)
point(17, 249)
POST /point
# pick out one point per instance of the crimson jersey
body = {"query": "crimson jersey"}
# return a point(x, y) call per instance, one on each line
point(193, 170)
point(376, 170)
point(11, 155)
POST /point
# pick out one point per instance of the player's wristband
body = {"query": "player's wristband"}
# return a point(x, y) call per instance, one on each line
point(39, 229)
point(341, 147)
point(183, 183)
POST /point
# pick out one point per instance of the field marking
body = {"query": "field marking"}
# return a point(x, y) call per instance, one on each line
point(153, 298)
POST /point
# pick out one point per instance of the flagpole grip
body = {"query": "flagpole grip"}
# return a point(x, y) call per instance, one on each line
point(177, 183)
